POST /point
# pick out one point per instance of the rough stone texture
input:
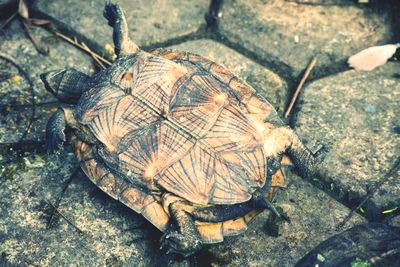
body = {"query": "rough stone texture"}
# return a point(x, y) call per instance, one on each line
point(149, 22)
point(15, 94)
point(288, 35)
point(14, 121)
point(112, 235)
point(266, 82)
point(361, 126)
point(313, 214)
point(33, 234)
point(356, 114)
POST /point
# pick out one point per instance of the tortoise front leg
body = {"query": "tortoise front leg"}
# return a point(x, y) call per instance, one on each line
point(55, 136)
point(116, 19)
point(183, 237)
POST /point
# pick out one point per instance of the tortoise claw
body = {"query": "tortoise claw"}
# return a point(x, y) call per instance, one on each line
point(112, 13)
point(177, 243)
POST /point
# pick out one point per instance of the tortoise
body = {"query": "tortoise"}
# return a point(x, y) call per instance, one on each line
point(176, 138)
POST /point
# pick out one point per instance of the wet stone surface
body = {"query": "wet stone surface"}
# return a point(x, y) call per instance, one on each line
point(356, 114)
point(288, 34)
point(15, 92)
point(264, 81)
point(149, 22)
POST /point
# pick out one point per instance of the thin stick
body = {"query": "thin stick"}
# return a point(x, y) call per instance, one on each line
point(60, 196)
point(303, 80)
point(84, 48)
point(389, 174)
point(98, 61)
point(8, 20)
point(64, 217)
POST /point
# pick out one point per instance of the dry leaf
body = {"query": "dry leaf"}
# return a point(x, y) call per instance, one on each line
point(39, 45)
point(39, 22)
point(372, 57)
point(23, 9)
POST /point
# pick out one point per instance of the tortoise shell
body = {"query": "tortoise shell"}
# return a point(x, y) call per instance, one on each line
point(172, 124)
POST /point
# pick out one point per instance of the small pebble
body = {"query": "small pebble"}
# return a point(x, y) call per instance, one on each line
point(371, 109)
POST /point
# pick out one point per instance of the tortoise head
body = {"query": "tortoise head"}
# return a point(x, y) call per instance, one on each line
point(67, 85)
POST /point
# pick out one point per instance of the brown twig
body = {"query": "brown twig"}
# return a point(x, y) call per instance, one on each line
point(99, 59)
point(8, 20)
point(60, 196)
point(64, 217)
point(389, 174)
point(300, 86)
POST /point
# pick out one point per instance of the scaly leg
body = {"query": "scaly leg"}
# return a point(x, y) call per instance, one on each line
point(116, 19)
point(284, 140)
point(55, 136)
point(182, 237)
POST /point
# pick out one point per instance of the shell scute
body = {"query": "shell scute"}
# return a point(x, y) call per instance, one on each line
point(148, 153)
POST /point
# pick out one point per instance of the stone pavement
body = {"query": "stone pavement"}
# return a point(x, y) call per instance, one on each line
point(51, 215)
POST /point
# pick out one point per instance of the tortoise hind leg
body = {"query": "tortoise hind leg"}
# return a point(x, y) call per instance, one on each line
point(284, 140)
point(67, 85)
point(116, 19)
point(182, 237)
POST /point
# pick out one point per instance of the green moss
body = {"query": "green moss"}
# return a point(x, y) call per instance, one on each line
point(360, 263)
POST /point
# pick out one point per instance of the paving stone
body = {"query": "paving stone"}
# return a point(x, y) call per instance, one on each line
point(266, 82)
point(288, 34)
point(15, 94)
point(105, 233)
point(149, 22)
point(356, 114)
